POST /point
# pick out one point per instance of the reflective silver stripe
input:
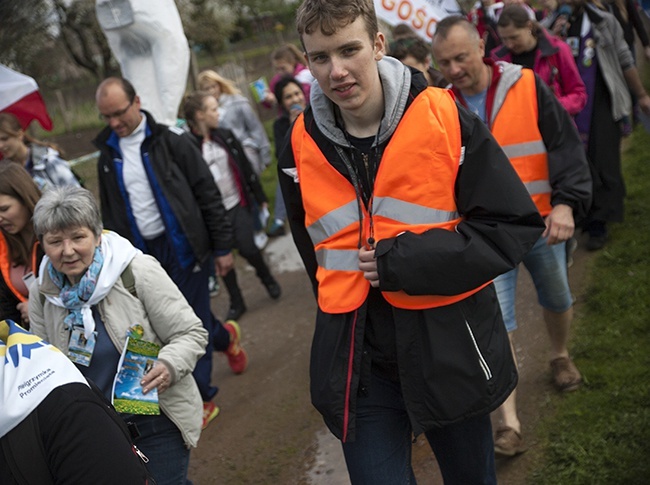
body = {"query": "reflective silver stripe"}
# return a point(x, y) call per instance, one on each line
point(409, 213)
point(333, 222)
point(338, 259)
point(481, 360)
point(395, 209)
point(524, 149)
point(538, 187)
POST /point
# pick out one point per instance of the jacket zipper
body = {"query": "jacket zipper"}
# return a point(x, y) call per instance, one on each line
point(481, 360)
point(348, 382)
point(365, 157)
point(142, 456)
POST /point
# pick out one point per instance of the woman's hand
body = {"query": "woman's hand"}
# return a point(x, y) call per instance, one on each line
point(269, 99)
point(158, 377)
point(560, 27)
point(24, 313)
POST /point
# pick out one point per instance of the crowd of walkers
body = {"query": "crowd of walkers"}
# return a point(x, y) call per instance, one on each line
point(413, 243)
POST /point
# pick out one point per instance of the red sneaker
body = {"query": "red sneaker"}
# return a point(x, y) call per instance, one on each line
point(237, 357)
point(210, 411)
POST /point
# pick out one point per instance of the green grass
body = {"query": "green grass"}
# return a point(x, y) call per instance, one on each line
point(80, 116)
point(601, 434)
point(269, 177)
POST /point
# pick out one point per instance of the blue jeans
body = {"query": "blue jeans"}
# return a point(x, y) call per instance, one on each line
point(547, 266)
point(381, 453)
point(161, 441)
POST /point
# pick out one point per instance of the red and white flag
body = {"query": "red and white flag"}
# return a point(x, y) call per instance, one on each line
point(19, 96)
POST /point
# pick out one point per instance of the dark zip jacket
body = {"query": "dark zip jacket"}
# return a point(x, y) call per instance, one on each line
point(190, 198)
point(438, 351)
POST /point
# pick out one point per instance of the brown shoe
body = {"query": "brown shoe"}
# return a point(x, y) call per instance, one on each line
point(508, 442)
point(565, 374)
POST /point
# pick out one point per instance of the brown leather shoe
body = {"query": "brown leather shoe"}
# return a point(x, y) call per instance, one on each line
point(565, 374)
point(508, 442)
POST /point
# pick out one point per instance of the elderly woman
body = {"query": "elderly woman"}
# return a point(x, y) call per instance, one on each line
point(96, 284)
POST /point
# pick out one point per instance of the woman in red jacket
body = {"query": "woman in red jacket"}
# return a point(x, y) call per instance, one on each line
point(526, 43)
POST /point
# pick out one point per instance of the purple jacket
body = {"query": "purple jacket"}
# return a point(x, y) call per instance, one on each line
point(555, 65)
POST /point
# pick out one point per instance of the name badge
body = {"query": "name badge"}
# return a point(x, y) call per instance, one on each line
point(28, 279)
point(574, 43)
point(80, 348)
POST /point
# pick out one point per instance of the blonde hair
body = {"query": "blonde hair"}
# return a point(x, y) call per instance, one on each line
point(210, 77)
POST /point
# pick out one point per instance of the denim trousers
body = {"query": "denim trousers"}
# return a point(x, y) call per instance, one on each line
point(381, 452)
point(547, 267)
point(161, 441)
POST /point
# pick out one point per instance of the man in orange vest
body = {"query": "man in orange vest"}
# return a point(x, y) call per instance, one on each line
point(403, 208)
point(544, 147)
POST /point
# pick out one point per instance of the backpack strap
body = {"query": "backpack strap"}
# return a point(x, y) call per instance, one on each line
point(128, 280)
point(24, 452)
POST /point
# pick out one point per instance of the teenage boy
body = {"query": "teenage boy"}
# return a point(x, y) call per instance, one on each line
point(403, 208)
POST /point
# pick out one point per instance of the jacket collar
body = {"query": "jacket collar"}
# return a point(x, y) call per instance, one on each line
point(396, 83)
point(546, 48)
point(595, 15)
point(108, 137)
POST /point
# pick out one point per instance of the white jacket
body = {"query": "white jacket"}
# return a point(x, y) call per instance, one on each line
point(167, 319)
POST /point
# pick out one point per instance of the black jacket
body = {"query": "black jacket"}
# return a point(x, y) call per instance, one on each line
point(438, 351)
point(186, 183)
point(251, 184)
point(80, 442)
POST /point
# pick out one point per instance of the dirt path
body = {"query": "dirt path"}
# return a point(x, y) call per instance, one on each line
point(268, 432)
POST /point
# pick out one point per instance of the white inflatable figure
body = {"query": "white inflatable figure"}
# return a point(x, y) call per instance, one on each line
point(148, 41)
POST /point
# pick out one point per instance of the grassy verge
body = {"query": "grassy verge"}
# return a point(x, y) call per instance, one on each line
point(601, 433)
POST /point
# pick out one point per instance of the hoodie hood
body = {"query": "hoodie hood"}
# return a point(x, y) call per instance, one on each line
point(395, 82)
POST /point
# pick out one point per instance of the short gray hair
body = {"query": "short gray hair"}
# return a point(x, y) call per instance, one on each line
point(62, 208)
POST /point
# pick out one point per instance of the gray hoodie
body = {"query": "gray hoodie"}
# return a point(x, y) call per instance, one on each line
point(396, 81)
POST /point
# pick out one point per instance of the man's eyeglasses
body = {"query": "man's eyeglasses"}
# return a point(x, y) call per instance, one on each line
point(117, 114)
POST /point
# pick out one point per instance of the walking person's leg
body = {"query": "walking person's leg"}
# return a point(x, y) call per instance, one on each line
point(381, 451)
point(465, 452)
point(243, 233)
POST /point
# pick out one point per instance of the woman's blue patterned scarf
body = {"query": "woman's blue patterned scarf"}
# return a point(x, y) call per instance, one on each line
point(74, 297)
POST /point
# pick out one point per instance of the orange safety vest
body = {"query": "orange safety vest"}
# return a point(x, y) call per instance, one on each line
point(515, 129)
point(5, 266)
point(414, 191)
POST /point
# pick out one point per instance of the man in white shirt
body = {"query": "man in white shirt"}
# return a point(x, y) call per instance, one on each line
point(157, 191)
